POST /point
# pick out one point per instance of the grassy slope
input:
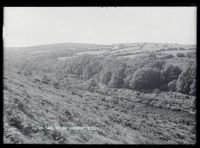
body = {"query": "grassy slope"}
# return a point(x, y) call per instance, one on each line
point(30, 107)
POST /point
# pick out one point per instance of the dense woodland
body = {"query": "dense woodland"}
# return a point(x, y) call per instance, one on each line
point(143, 73)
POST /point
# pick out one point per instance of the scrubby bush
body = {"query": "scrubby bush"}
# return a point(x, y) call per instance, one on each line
point(158, 63)
point(170, 73)
point(180, 54)
point(172, 85)
point(65, 75)
point(27, 72)
point(87, 72)
point(36, 80)
point(191, 54)
point(56, 135)
point(127, 81)
point(181, 48)
point(56, 84)
point(193, 87)
point(45, 79)
point(162, 49)
point(91, 69)
point(193, 104)
point(156, 91)
point(78, 69)
point(106, 77)
point(172, 49)
point(164, 87)
point(78, 64)
point(152, 55)
point(117, 80)
point(145, 78)
point(167, 56)
point(92, 84)
point(186, 79)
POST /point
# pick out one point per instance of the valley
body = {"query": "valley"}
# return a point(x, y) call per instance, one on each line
point(129, 94)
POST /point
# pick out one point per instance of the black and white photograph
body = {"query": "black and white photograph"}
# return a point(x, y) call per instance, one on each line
point(99, 75)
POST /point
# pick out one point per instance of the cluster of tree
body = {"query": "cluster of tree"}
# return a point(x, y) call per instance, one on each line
point(179, 54)
point(186, 82)
point(140, 73)
point(191, 54)
point(145, 78)
point(117, 79)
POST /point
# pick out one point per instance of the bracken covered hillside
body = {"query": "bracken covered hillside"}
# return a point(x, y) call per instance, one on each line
point(146, 99)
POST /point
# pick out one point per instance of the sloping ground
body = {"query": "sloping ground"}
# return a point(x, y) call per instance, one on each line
point(40, 113)
point(30, 109)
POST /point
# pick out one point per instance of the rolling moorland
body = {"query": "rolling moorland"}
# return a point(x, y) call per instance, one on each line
point(131, 93)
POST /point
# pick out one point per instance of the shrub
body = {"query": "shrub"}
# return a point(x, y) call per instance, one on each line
point(27, 73)
point(156, 91)
point(170, 49)
point(56, 135)
point(170, 73)
point(193, 87)
point(87, 72)
point(162, 49)
point(152, 55)
point(172, 85)
point(164, 87)
point(106, 77)
point(168, 56)
point(36, 80)
point(92, 83)
point(91, 69)
point(181, 48)
point(145, 78)
point(45, 79)
point(65, 75)
point(56, 84)
point(78, 69)
point(117, 80)
point(156, 64)
point(191, 54)
point(115, 99)
point(127, 81)
point(186, 79)
point(180, 54)
point(193, 104)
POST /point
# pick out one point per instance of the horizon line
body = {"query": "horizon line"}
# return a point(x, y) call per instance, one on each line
point(98, 44)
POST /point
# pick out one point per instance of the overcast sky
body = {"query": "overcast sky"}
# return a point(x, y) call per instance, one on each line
point(25, 26)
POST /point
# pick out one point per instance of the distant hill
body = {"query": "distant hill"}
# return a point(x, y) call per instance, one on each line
point(129, 50)
point(56, 46)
